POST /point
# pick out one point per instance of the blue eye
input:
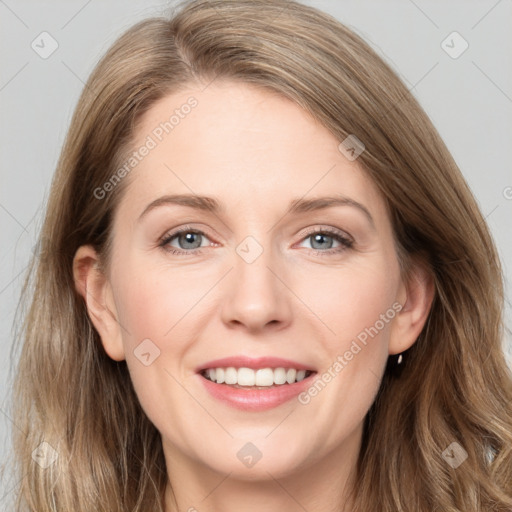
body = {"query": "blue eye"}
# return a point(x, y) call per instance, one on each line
point(319, 237)
point(190, 241)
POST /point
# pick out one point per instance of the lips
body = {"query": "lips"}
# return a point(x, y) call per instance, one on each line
point(255, 384)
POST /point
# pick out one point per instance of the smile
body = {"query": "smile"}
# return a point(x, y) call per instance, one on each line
point(260, 378)
point(254, 384)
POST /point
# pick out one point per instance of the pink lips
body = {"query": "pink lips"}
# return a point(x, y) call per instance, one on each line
point(255, 399)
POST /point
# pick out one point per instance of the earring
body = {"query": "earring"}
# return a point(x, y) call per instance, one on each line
point(399, 360)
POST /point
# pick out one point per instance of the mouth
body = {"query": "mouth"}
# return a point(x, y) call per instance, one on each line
point(255, 384)
point(261, 378)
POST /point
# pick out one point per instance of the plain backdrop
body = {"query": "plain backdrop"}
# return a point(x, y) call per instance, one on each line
point(467, 94)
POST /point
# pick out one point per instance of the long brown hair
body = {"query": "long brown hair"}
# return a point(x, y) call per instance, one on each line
point(455, 386)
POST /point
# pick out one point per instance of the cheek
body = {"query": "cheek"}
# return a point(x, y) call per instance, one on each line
point(356, 307)
point(351, 299)
point(154, 312)
point(152, 308)
point(153, 300)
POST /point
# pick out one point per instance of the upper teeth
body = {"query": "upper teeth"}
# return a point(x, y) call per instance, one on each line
point(250, 377)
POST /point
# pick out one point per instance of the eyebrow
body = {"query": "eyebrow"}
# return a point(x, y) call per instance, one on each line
point(300, 205)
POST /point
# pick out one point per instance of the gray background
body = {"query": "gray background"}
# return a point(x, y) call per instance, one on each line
point(468, 98)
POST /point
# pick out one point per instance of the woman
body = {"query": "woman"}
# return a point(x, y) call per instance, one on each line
point(256, 369)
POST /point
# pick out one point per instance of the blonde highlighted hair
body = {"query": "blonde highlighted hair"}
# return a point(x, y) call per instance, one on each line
point(455, 385)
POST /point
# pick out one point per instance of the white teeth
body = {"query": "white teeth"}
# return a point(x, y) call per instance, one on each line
point(231, 376)
point(246, 377)
point(264, 377)
point(279, 376)
point(290, 375)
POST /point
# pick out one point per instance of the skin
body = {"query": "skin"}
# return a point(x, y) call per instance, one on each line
point(255, 152)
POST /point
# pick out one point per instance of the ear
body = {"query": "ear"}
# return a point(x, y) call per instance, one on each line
point(92, 284)
point(416, 294)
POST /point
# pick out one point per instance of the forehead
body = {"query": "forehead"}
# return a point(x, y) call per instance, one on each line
point(245, 145)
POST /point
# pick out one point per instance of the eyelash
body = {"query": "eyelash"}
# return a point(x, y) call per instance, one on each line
point(346, 243)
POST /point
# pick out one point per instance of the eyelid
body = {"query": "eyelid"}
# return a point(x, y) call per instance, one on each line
point(327, 229)
point(186, 228)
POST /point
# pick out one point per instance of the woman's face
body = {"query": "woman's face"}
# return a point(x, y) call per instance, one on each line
point(274, 271)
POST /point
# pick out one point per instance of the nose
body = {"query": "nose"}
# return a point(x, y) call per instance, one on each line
point(255, 296)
